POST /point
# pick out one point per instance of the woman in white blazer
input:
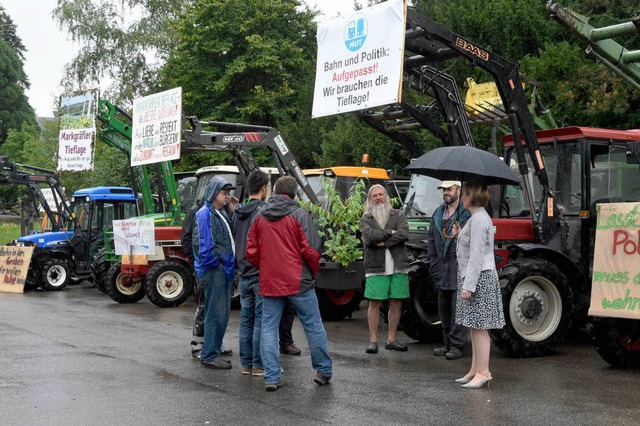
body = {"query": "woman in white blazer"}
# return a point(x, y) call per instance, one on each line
point(479, 304)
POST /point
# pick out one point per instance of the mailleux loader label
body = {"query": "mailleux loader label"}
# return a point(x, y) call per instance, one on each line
point(615, 289)
point(14, 265)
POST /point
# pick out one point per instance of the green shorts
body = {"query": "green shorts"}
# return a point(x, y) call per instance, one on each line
point(383, 287)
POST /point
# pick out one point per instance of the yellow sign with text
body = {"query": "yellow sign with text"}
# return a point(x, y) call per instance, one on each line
point(615, 286)
point(14, 265)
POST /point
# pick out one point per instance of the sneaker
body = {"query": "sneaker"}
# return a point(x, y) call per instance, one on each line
point(440, 351)
point(290, 350)
point(454, 353)
point(257, 372)
point(321, 380)
point(247, 371)
point(217, 364)
point(270, 387)
point(396, 346)
point(196, 347)
point(225, 351)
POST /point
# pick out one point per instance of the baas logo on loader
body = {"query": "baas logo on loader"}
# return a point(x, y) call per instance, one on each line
point(472, 48)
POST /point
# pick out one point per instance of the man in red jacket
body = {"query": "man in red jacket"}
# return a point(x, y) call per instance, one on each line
point(285, 246)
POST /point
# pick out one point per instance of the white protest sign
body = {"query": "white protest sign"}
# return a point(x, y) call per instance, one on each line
point(77, 131)
point(134, 236)
point(157, 124)
point(360, 60)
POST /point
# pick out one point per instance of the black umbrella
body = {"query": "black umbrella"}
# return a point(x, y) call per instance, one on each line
point(464, 163)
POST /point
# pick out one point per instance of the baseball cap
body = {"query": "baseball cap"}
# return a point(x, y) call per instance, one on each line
point(228, 186)
point(449, 183)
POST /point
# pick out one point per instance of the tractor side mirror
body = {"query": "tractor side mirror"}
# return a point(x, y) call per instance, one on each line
point(633, 152)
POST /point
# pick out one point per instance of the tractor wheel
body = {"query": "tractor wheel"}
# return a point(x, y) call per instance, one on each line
point(55, 274)
point(99, 268)
point(617, 341)
point(537, 303)
point(420, 320)
point(168, 284)
point(121, 287)
point(338, 304)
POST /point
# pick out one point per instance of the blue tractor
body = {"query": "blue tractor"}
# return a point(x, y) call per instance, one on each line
point(63, 256)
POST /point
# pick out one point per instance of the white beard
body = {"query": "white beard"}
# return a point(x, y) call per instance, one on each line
point(381, 214)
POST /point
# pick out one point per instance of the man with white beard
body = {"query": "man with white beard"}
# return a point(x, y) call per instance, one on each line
point(384, 232)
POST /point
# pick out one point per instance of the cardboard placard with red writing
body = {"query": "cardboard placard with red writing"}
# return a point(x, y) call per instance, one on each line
point(615, 284)
point(14, 265)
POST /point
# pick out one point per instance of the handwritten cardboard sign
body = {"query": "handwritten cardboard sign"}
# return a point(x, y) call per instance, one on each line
point(615, 289)
point(134, 236)
point(360, 59)
point(14, 265)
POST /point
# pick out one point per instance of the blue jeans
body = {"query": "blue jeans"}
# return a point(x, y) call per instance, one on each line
point(306, 306)
point(217, 306)
point(250, 322)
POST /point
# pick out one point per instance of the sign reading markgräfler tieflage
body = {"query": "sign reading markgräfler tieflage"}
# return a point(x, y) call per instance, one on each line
point(77, 131)
point(359, 61)
point(157, 123)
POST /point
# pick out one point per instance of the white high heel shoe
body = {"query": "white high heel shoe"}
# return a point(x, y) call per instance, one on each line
point(480, 383)
point(463, 380)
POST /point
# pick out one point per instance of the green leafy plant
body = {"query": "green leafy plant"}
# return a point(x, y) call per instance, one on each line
point(339, 222)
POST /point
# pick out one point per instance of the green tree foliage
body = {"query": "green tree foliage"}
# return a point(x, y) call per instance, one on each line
point(123, 41)
point(576, 89)
point(250, 62)
point(339, 222)
point(14, 105)
point(27, 146)
point(242, 61)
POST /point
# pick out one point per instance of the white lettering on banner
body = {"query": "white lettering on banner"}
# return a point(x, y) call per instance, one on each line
point(359, 63)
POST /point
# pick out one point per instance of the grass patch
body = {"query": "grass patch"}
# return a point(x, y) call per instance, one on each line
point(9, 232)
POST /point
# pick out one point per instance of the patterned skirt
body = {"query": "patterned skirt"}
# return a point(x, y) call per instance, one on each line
point(483, 310)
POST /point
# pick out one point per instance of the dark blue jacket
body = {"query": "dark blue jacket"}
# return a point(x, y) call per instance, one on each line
point(441, 251)
point(242, 221)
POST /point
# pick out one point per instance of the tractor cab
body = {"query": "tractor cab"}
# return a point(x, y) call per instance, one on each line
point(96, 209)
point(586, 167)
point(422, 198)
point(232, 175)
point(343, 178)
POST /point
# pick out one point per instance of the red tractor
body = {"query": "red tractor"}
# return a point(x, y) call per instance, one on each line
point(544, 229)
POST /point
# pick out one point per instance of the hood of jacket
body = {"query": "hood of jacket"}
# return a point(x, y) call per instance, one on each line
point(214, 186)
point(278, 207)
point(245, 211)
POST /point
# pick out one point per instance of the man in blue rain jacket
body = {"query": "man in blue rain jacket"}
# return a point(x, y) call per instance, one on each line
point(214, 262)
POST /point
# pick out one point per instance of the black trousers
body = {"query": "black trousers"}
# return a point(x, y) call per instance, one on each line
point(453, 335)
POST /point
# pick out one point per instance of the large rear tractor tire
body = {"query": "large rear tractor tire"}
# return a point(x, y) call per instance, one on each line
point(168, 284)
point(121, 287)
point(99, 269)
point(617, 341)
point(537, 302)
point(55, 274)
point(338, 304)
point(420, 320)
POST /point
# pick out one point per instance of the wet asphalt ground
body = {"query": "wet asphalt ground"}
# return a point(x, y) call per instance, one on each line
point(75, 357)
